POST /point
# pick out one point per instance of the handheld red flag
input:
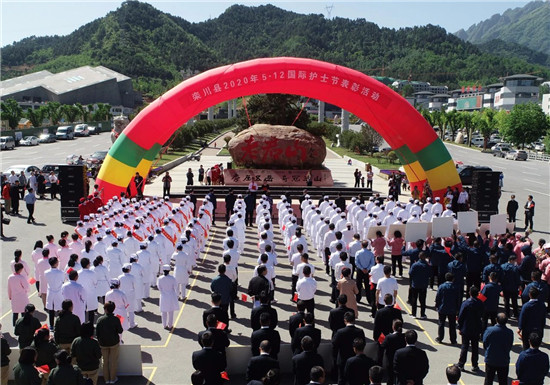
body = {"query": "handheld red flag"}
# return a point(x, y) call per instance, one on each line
point(221, 325)
point(381, 338)
point(295, 298)
point(224, 376)
point(244, 297)
point(481, 297)
point(32, 281)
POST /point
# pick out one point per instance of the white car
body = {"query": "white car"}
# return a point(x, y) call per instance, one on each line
point(22, 167)
point(516, 155)
point(29, 141)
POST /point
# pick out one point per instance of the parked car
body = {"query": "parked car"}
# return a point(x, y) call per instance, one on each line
point(478, 141)
point(65, 132)
point(47, 138)
point(7, 143)
point(466, 172)
point(539, 146)
point(29, 141)
point(96, 159)
point(81, 130)
point(28, 169)
point(94, 130)
point(496, 138)
point(500, 150)
point(517, 155)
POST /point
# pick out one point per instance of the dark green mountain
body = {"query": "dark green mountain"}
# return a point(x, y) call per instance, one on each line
point(528, 26)
point(153, 47)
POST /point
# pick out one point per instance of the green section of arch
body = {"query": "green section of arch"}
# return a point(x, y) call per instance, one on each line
point(405, 155)
point(128, 152)
point(433, 155)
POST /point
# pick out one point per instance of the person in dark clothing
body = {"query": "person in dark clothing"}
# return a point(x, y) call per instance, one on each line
point(497, 342)
point(342, 342)
point(309, 330)
point(221, 315)
point(220, 340)
point(258, 366)
point(24, 371)
point(166, 184)
point(65, 373)
point(538, 283)
point(41, 185)
point(139, 182)
point(264, 307)
point(87, 352)
point(532, 365)
point(223, 285)
point(14, 195)
point(446, 304)
point(469, 326)
point(356, 370)
point(383, 320)
point(209, 361)
point(435, 249)
point(458, 269)
point(410, 362)
point(45, 348)
point(419, 274)
point(108, 331)
point(230, 200)
point(303, 362)
point(474, 263)
point(336, 316)
point(493, 266)
point(528, 264)
point(340, 202)
point(490, 296)
point(389, 346)
point(214, 200)
point(259, 286)
point(512, 208)
point(511, 283)
point(529, 208)
point(67, 326)
point(189, 176)
point(250, 202)
point(296, 320)
point(532, 317)
point(26, 326)
point(265, 333)
point(193, 199)
point(5, 361)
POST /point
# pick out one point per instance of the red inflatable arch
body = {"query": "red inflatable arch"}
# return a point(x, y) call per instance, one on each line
point(420, 150)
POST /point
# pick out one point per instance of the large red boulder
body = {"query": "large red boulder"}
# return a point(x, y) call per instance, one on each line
point(277, 147)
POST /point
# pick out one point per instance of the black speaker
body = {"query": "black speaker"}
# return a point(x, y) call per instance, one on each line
point(72, 184)
point(485, 216)
point(70, 214)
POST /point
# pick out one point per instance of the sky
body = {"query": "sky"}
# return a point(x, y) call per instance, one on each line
point(24, 18)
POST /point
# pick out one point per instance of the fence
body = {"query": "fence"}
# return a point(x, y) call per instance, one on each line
point(538, 156)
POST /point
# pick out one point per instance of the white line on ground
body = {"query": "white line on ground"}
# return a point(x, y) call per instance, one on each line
point(538, 192)
point(534, 181)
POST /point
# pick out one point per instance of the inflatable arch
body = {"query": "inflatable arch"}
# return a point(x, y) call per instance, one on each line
point(422, 153)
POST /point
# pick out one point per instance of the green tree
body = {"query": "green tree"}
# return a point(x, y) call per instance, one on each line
point(407, 90)
point(53, 112)
point(101, 112)
point(12, 112)
point(36, 116)
point(70, 112)
point(83, 112)
point(452, 119)
point(276, 109)
point(526, 124)
point(490, 125)
point(466, 119)
point(370, 138)
point(543, 89)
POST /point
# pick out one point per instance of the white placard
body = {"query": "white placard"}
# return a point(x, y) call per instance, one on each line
point(429, 230)
point(397, 227)
point(373, 229)
point(511, 226)
point(442, 227)
point(467, 221)
point(416, 231)
point(498, 224)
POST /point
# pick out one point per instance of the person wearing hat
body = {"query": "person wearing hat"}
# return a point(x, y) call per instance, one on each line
point(448, 211)
point(114, 257)
point(75, 292)
point(183, 263)
point(437, 207)
point(128, 287)
point(118, 297)
point(168, 303)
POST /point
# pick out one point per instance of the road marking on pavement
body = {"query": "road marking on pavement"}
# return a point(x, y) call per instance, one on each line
point(9, 311)
point(537, 192)
point(534, 181)
point(184, 302)
point(153, 371)
point(417, 322)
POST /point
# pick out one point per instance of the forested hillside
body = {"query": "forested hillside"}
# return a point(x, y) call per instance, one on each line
point(153, 47)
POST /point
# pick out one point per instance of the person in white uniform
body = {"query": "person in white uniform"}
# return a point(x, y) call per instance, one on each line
point(168, 302)
point(114, 259)
point(75, 292)
point(54, 279)
point(88, 280)
point(128, 287)
point(137, 272)
point(102, 274)
point(118, 297)
point(18, 291)
point(183, 263)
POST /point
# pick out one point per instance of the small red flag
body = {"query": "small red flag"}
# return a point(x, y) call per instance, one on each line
point(69, 270)
point(221, 325)
point(397, 306)
point(43, 369)
point(224, 376)
point(515, 382)
point(520, 292)
point(372, 286)
point(482, 286)
point(121, 318)
point(244, 297)
point(481, 297)
point(32, 281)
point(381, 338)
point(295, 298)
point(45, 326)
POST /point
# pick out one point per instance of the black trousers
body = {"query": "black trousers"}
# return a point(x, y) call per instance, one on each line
point(396, 260)
point(489, 315)
point(249, 218)
point(432, 278)
point(468, 341)
point(511, 296)
point(234, 290)
point(452, 326)
point(310, 305)
point(369, 184)
point(362, 283)
point(418, 294)
point(529, 220)
point(352, 263)
point(165, 191)
point(500, 371)
point(473, 278)
point(30, 209)
point(293, 286)
point(511, 217)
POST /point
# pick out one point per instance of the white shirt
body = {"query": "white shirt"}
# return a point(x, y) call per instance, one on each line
point(386, 286)
point(300, 269)
point(377, 272)
point(306, 288)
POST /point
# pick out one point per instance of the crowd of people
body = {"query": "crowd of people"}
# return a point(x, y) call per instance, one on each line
point(117, 253)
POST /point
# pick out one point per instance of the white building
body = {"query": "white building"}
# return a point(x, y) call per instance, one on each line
point(517, 89)
point(546, 104)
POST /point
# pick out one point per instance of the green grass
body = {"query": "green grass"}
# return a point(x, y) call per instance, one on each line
point(171, 155)
point(224, 152)
point(381, 163)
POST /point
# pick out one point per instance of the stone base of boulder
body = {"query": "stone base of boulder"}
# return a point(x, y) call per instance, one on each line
point(242, 177)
